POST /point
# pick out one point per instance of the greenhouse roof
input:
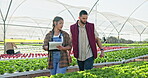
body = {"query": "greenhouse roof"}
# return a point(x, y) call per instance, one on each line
point(32, 19)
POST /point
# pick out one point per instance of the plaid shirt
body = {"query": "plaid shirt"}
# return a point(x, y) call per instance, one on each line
point(64, 61)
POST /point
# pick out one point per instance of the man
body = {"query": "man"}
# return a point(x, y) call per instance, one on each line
point(84, 39)
point(10, 47)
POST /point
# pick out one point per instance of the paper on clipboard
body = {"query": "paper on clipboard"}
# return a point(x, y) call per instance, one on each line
point(53, 45)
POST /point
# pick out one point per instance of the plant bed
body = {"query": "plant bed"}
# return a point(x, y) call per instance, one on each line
point(10, 66)
point(29, 74)
point(128, 70)
point(22, 56)
point(43, 55)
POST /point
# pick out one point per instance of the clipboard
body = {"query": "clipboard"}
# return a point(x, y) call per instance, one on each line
point(53, 45)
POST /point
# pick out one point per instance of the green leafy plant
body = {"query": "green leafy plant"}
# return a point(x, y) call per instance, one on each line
point(128, 70)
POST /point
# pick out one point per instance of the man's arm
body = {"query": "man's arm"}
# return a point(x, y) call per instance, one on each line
point(100, 46)
point(99, 43)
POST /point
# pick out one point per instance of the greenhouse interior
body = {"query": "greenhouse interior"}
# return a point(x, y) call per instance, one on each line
point(122, 26)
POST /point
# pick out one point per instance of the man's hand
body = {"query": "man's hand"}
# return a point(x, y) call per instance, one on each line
point(102, 54)
point(61, 47)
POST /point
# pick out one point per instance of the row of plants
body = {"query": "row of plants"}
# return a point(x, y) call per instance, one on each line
point(113, 47)
point(121, 44)
point(11, 66)
point(129, 70)
point(30, 55)
point(118, 55)
point(25, 55)
point(22, 65)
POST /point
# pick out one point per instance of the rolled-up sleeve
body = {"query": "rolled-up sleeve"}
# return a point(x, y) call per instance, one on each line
point(46, 40)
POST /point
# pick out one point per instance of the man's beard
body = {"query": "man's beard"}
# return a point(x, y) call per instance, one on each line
point(82, 22)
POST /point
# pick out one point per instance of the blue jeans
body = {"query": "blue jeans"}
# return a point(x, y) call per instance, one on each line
point(86, 65)
point(56, 60)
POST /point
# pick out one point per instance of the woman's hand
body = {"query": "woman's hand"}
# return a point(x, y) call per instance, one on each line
point(45, 48)
point(61, 47)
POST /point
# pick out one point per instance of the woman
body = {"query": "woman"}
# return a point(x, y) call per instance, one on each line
point(58, 59)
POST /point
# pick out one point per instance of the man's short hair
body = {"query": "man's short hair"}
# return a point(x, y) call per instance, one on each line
point(83, 12)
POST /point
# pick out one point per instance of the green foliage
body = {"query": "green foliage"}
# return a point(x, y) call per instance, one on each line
point(10, 66)
point(129, 70)
point(122, 55)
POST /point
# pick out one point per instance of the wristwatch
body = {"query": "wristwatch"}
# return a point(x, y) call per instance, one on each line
point(101, 49)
